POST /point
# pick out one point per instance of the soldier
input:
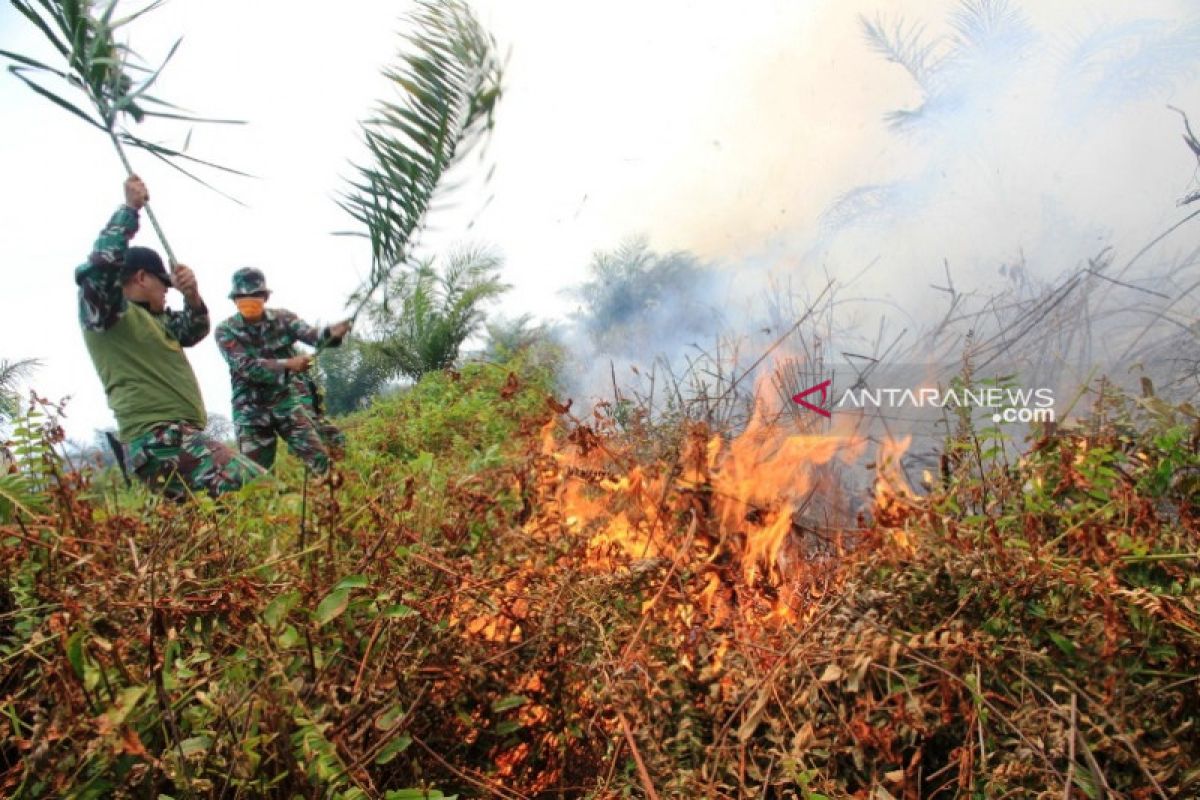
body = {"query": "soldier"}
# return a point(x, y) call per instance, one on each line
point(136, 344)
point(272, 394)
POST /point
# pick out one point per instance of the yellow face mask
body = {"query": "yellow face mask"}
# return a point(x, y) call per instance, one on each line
point(250, 307)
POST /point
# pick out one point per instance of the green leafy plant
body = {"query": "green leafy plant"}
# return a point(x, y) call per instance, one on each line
point(430, 312)
point(24, 482)
point(352, 375)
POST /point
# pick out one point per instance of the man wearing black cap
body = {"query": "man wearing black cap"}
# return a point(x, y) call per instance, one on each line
point(136, 344)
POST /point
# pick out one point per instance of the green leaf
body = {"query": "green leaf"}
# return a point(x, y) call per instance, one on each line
point(31, 62)
point(448, 88)
point(392, 749)
point(507, 727)
point(53, 98)
point(170, 676)
point(399, 611)
point(332, 606)
point(352, 582)
point(36, 19)
point(277, 610)
point(18, 495)
point(123, 707)
point(289, 638)
point(509, 703)
point(388, 719)
point(146, 84)
point(75, 653)
point(1063, 643)
point(195, 745)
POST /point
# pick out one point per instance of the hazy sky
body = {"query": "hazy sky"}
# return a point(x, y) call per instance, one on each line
point(729, 131)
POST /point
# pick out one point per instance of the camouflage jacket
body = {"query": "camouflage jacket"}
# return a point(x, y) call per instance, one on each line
point(101, 301)
point(256, 352)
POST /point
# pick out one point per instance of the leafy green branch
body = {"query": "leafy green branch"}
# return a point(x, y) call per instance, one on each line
point(448, 87)
point(115, 85)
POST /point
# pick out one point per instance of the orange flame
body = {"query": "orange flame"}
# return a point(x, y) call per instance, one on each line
point(755, 503)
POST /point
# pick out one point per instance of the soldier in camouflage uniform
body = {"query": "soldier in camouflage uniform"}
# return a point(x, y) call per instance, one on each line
point(136, 344)
point(272, 394)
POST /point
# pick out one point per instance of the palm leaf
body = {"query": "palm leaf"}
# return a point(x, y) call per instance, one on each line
point(904, 46)
point(434, 312)
point(33, 16)
point(53, 98)
point(449, 83)
point(10, 373)
point(101, 69)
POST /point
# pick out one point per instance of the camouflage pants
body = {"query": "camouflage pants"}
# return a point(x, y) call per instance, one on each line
point(176, 458)
point(310, 397)
point(257, 428)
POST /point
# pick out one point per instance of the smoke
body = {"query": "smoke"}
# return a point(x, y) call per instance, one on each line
point(989, 151)
point(1027, 145)
point(636, 307)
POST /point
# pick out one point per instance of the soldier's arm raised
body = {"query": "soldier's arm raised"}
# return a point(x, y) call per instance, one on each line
point(101, 301)
point(191, 325)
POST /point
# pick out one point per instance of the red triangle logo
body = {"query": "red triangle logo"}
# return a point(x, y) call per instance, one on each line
point(823, 388)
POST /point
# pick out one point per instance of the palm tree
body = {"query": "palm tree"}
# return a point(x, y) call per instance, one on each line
point(428, 313)
point(986, 37)
point(636, 299)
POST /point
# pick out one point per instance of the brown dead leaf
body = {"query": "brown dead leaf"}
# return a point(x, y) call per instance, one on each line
point(132, 745)
point(832, 674)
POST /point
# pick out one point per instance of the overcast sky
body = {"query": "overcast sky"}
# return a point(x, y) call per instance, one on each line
point(731, 131)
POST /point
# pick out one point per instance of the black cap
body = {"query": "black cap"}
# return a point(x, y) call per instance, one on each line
point(144, 258)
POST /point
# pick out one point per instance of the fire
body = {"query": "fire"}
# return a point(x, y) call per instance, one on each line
point(757, 521)
point(740, 536)
point(757, 493)
point(894, 498)
point(766, 475)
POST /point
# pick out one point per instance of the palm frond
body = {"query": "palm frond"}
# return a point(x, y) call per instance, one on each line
point(903, 45)
point(448, 84)
point(432, 312)
point(100, 69)
point(10, 373)
point(988, 25)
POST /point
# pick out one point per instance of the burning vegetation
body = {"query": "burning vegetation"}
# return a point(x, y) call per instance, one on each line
point(501, 599)
point(667, 596)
